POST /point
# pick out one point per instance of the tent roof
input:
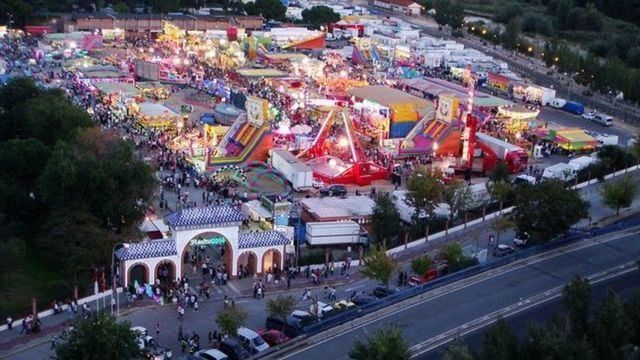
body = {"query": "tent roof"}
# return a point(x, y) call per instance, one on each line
point(113, 87)
point(387, 96)
point(155, 109)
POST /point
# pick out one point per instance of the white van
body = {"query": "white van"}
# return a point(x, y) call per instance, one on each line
point(603, 119)
point(252, 340)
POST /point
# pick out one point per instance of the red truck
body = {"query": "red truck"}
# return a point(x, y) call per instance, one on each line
point(438, 269)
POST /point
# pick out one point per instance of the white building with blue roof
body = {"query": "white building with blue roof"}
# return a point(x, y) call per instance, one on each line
point(215, 225)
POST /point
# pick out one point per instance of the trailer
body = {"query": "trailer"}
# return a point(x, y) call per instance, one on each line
point(582, 162)
point(557, 103)
point(297, 173)
point(560, 171)
point(408, 213)
point(334, 233)
point(573, 107)
point(495, 150)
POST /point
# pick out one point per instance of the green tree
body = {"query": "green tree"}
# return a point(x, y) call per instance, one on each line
point(511, 35)
point(424, 191)
point(122, 8)
point(74, 242)
point(500, 342)
point(458, 196)
point(280, 307)
point(101, 336)
point(164, 6)
point(448, 12)
point(632, 309)
point(508, 12)
point(619, 194)
point(534, 204)
point(378, 266)
point(577, 300)
point(457, 350)
point(319, 16)
point(500, 173)
point(612, 328)
point(9, 252)
point(501, 225)
point(269, 9)
point(385, 344)
point(421, 264)
point(452, 253)
point(500, 191)
point(230, 319)
point(385, 219)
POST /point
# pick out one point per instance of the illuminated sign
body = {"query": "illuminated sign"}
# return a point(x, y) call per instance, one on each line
point(216, 240)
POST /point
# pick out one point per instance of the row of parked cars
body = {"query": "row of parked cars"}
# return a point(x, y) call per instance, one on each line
point(246, 344)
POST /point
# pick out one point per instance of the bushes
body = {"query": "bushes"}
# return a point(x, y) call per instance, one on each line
point(312, 257)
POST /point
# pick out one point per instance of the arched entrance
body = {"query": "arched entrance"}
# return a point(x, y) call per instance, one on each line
point(271, 261)
point(210, 248)
point(139, 273)
point(165, 271)
point(247, 264)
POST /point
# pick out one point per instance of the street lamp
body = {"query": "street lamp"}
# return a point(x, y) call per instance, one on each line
point(114, 293)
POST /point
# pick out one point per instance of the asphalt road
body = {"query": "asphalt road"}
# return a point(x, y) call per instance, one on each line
point(566, 119)
point(442, 312)
point(624, 286)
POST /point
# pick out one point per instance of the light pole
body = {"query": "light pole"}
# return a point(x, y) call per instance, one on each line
point(114, 292)
point(570, 83)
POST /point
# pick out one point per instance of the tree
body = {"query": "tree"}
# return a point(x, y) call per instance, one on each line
point(511, 35)
point(164, 6)
point(385, 344)
point(508, 12)
point(500, 342)
point(500, 191)
point(448, 13)
point(319, 16)
point(102, 336)
point(9, 251)
point(122, 8)
point(385, 219)
point(424, 191)
point(577, 300)
point(269, 9)
point(378, 266)
point(458, 196)
point(230, 319)
point(452, 253)
point(421, 264)
point(500, 225)
point(547, 209)
point(280, 307)
point(612, 328)
point(619, 194)
point(457, 350)
point(500, 173)
point(614, 158)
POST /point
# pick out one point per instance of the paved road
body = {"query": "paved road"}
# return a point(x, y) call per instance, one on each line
point(624, 286)
point(442, 312)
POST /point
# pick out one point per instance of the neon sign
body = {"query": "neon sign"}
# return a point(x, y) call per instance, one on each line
point(216, 240)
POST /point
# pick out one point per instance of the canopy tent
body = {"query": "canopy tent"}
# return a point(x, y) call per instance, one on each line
point(570, 139)
point(124, 89)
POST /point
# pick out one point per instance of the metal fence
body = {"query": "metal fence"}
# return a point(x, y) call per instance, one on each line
point(570, 237)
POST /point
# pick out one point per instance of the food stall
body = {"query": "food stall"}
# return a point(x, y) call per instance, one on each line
point(154, 115)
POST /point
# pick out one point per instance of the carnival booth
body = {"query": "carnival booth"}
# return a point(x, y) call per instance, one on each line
point(533, 93)
point(569, 139)
point(153, 115)
point(518, 118)
point(115, 92)
point(154, 90)
point(498, 83)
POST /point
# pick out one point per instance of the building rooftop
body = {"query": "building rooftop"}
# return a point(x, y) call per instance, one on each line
point(335, 207)
point(261, 239)
point(203, 216)
point(147, 249)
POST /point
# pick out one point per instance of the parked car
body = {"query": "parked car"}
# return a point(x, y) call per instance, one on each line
point(273, 337)
point(382, 291)
point(589, 115)
point(148, 347)
point(252, 340)
point(334, 190)
point(234, 349)
point(292, 328)
point(363, 299)
point(521, 239)
point(211, 354)
point(503, 250)
point(317, 183)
